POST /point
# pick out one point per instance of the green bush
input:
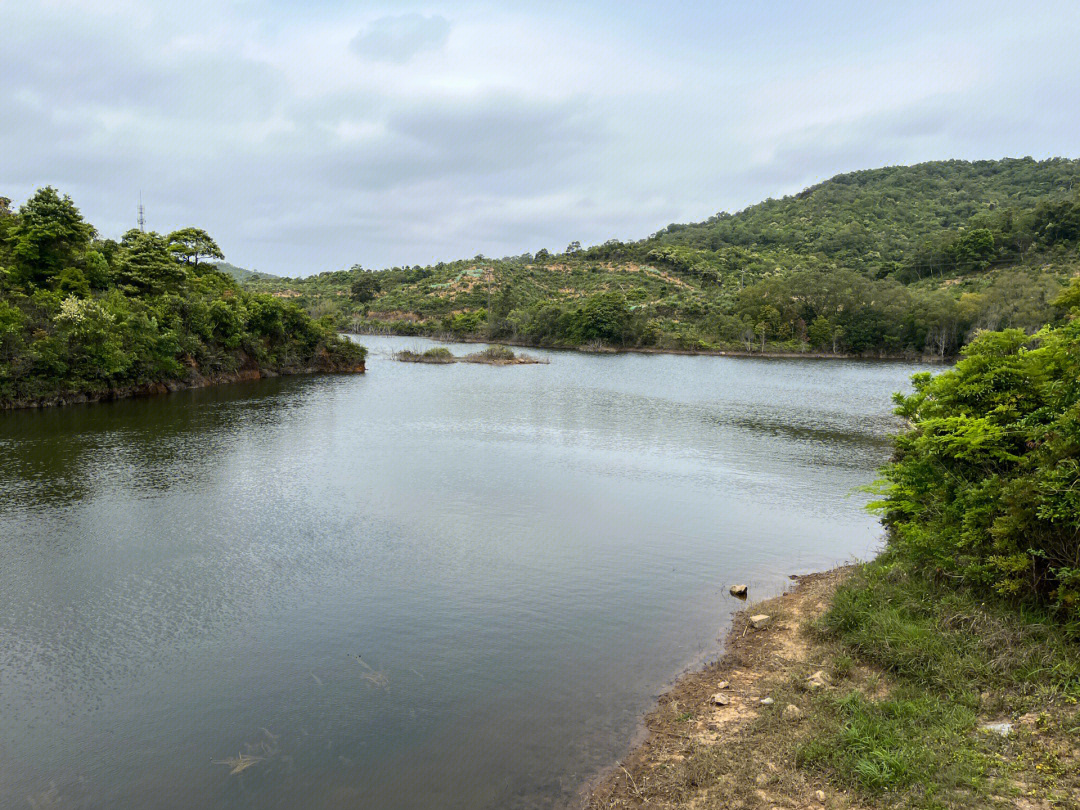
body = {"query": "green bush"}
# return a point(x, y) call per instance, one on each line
point(985, 485)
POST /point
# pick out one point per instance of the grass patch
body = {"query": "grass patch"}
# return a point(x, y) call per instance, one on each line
point(909, 741)
point(953, 661)
point(438, 355)
point(946, 638)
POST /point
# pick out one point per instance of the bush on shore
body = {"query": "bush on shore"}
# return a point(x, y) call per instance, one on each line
point(984, 488)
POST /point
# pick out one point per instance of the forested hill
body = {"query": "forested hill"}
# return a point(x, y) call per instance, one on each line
point(85, 318)
point(900, 260)
point(882, 220)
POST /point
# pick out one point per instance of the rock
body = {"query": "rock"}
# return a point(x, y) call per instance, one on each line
point(767, 701)
point(722, 685)
point(738, 590)
point(720, 699)
point(792, 713)
point(761, 779)
point(818, 680)
point(760, 621)
point(1003, 729)
point(820, 796)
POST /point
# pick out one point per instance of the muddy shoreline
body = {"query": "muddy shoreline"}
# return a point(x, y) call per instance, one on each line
point(686, 714)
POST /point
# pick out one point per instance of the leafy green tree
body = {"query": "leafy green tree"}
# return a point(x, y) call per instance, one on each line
point(985, 486)
point(48, 235)
point(365, 287)
point(147, 263)
point(605, 317)
point(191, 244)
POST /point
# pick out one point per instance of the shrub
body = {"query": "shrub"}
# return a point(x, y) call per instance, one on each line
point(985, 485)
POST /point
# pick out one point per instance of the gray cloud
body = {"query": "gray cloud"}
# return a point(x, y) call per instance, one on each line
point(399, 38)
point(529, 129)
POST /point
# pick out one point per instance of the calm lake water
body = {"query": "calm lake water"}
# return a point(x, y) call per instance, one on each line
point(427, 587)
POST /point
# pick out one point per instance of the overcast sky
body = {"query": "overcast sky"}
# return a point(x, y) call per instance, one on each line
point(312, 136)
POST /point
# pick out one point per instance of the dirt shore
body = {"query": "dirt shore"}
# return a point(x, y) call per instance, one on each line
point(705, 746)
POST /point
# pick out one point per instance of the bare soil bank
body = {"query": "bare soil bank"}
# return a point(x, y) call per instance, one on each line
point(757, 729)
point(662, 771)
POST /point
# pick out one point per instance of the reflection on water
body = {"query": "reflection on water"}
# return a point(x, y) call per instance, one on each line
point(426, 587)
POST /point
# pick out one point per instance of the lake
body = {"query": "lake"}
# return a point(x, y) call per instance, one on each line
point(429, 586)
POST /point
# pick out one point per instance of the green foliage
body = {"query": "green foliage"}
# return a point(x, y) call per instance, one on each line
point(985, 486)
point(192, 244)
point(79, 316)
point(47, 236)
point(365, 288)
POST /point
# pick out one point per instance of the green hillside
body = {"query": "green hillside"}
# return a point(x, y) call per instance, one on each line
point(241, 274)
point(900, 260)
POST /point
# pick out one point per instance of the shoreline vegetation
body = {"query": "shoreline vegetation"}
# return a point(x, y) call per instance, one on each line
point(603, 348)
point(943, 674)
point(492, 356)
point(86, 319)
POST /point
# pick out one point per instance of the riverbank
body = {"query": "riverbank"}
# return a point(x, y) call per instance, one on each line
point(597, 348)
point(866, 687)
point(194, 380)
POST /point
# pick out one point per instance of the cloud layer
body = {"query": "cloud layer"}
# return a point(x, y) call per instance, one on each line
point(390, 135)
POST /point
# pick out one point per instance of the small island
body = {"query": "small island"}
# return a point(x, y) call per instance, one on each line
point(492, 356)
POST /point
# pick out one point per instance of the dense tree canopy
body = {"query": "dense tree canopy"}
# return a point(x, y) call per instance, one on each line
point(85, 316)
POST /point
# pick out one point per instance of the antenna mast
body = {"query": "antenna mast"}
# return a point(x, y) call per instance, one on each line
point(142, 218)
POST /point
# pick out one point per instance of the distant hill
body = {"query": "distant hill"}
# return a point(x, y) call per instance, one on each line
point(240, 274)
point(898, 260)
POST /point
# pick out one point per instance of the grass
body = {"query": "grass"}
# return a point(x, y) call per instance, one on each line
point(953, 661)
point(494, 354)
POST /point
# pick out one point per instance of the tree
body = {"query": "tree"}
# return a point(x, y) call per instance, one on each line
point(605, 317)
point(573, 247)
point(191, 244)
point(365, 288)
point(49, 234)
point(148, 264)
